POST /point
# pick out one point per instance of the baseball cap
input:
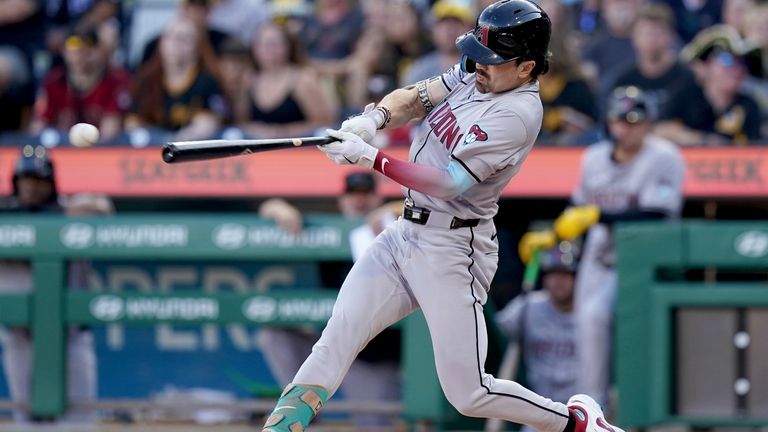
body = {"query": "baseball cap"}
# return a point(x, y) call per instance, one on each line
point(359, 182)
point(81, 39)
point(444, 9)
point(628, 104)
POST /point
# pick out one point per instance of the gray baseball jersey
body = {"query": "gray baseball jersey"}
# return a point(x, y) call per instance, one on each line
point(549, 347)
point(445, 272)
point(489, 134)
point(653, 180)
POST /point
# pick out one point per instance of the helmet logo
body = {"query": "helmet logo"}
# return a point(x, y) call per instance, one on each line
point(482, 35)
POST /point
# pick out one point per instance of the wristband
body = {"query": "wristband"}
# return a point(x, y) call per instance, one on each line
point(421, 86)
point(386, 113)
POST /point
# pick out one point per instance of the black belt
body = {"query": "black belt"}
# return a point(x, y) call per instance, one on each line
point(420, 215)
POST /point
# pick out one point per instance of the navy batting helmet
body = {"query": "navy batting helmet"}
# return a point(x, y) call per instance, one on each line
point(33, 162)
point(629, 104)
point(507, 30)
point(561, 258)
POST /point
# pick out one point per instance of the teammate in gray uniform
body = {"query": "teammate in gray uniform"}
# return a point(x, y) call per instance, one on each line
point(634, 175)
point(478, 124)
point(542, 322)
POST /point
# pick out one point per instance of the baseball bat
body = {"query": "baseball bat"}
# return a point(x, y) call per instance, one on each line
point(186, 151)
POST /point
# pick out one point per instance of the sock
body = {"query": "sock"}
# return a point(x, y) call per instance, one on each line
point(297, 406)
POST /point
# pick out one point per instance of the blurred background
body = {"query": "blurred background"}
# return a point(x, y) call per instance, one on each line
point(140, 294)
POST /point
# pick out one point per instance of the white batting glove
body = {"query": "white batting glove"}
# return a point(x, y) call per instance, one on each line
point(363, 125)
point(350, 149)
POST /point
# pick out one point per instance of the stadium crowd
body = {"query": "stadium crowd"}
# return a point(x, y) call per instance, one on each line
point(145, 71)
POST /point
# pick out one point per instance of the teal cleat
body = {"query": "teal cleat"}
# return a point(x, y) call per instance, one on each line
point(297, 406)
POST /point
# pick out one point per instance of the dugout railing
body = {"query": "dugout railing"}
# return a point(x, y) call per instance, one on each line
point(49, 243)
point(692, 324)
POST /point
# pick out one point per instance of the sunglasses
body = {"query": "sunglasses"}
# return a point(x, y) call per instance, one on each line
point(729, 60)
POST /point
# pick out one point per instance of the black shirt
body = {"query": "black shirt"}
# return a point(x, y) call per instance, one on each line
point(202, 94)
point(660, 90)
point(740, 122)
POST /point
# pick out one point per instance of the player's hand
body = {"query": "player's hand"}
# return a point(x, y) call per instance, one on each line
point(574, 221)
point(284, 214)
point(350, 149)
point(533, 241)
point(363, 125)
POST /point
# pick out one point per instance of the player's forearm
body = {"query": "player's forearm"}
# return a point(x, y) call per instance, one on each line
point(444, 184)
point(404, 105)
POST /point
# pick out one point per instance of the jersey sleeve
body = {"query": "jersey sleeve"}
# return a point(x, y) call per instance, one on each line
point(453, 77)
point(664, 188)
point(510, 319)
point(492, 144)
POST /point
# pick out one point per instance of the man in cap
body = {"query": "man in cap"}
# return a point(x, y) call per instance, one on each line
point(714, 110)
point(633, 175)
point(542, 323)
point(451, 20)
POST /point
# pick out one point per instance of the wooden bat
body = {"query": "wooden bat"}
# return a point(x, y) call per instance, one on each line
point(186, 151)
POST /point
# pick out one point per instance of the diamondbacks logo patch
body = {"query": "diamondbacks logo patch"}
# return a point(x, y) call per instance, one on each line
point(482, 35)
point(475, 134)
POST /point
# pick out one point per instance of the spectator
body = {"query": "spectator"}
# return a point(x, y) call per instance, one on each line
point(331, 32)
point(633, 175)
point(656, 69)
point(735, 12)
point(34, 192)
point(65, 17)
point(16, 89)
point(21, 37)
point(375, 376)
point(693, 16)
point(609, 51)
point(570, 108)
point(22, 26)
point(237, 18)
point(85, 89)
point(177, 89)
point(542, 323)
point(756, 33)
point(234, 66)
point(451, 20)
point(209, 40)
point(393, 38)
point(284, 97)
point(713, 111)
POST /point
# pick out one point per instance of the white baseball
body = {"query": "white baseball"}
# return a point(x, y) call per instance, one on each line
point(83, 135)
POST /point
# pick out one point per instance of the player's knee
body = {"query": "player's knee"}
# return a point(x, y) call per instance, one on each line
point(466, 403)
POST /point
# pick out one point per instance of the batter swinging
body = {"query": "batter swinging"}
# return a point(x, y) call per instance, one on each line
point(480, 120)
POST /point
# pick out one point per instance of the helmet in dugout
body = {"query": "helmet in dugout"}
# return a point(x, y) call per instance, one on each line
point(507, 30)
point(33, 162)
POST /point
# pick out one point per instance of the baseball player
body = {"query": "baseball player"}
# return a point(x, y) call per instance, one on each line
point(479, 121)
point(634, 175)
point(34, 192)
point(542, 321)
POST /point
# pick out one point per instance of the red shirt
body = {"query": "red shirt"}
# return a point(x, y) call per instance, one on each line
point(61, 106)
